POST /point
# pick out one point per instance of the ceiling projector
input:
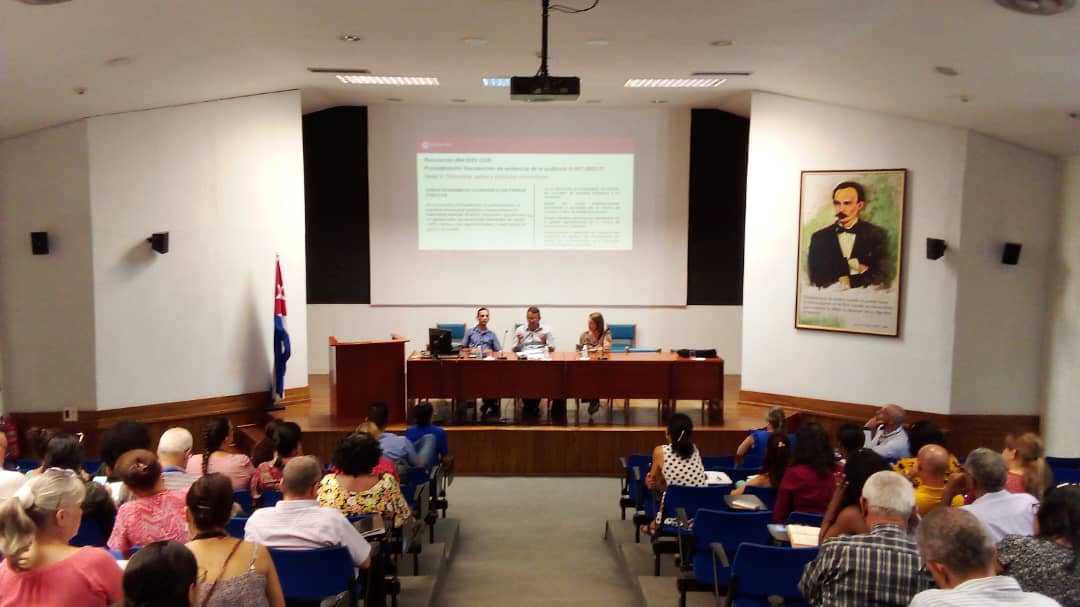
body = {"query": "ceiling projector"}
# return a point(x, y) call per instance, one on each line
point(545, 88)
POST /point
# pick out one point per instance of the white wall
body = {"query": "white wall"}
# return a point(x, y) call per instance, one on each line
point(690, 327)
point(1011, 194)
point(225, 179)
point(914, 370)
point(46, 303)
point(1063, 331)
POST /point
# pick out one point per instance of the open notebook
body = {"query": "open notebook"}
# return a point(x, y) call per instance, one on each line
point(803, 536)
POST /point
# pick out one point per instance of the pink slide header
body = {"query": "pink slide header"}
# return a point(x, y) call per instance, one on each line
point(525, 145)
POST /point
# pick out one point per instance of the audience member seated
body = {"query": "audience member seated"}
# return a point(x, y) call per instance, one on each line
point(286, 439)
point(174, 451)
point(155, 513)
point(162, 574)
point(355, 489)
point(1048, 563)
point(218, 433)
point(117, 440)
point(880, 568)
point(776, 462)
point(808, 484)
point(960, 556)
point(65, 451)
point(756, 440)
point(427, 450)
point(237, 572)
point(10, 481)
point(677, 462)
point(298, 522)
point(1002, 512)
point(1027, 469)
point(849, 438)
point(396, 448)
point(39, 567)
point(5, 462)
point(931, 469)
point(384, 466)
point(844, 515)
point(920, 434)
point(263, 451)
point(885, 433)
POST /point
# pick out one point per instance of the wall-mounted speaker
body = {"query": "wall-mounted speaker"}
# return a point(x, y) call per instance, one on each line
point(1010, 255)
point(935, 248)
point(159, 241)
point(39, 243)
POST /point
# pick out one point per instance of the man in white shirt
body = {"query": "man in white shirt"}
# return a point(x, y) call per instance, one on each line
point(535, 339)
point(1002, 513)
point(960, 555)
point(885, 433)
point(298, 522)
point(174, 451)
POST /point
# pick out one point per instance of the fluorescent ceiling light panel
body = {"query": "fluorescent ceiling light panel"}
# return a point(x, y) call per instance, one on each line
point(500, 82)
point(390, 80)
point(674, 83)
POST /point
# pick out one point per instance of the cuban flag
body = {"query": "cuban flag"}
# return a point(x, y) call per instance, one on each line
point(281, 337)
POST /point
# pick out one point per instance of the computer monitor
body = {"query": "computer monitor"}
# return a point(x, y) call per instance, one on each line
point(439, 342)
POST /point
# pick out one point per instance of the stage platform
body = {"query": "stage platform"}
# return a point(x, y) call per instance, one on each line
point(574, 445)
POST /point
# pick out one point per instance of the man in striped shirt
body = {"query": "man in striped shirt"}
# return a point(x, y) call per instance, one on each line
point(882, 567)
point(960, 555)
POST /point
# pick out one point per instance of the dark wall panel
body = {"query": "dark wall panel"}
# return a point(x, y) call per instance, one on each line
point(719, 144)
point(336, 192)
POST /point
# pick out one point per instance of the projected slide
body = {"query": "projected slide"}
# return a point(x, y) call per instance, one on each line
point(533, 193)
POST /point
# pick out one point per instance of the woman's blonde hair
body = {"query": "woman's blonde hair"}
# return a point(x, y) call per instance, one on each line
point(1029, 452)
point(33, 506)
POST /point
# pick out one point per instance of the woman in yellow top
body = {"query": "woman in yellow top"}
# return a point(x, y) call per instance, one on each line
point(596, 337)
point(356, 489)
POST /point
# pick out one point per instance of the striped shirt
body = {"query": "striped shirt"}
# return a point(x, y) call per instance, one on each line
point(983, 592)
point(879, 568)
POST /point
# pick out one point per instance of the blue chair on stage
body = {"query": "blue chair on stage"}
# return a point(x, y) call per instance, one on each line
point(457, 333)
point(717, 536)
point(759, 573)
point(622, 337)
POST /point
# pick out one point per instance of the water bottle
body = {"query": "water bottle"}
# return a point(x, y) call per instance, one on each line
point(584, 351)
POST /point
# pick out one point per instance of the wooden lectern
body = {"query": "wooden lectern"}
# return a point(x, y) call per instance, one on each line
point(363, 372)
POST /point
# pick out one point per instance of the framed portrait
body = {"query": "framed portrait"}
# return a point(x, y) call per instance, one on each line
point(851, 226)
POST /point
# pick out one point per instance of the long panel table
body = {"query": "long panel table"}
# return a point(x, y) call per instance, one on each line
point(663, 376)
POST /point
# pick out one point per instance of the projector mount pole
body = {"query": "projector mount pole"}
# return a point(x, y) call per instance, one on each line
point(544, 39)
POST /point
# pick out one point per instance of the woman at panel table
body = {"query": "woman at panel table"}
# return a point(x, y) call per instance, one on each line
point(596, 337)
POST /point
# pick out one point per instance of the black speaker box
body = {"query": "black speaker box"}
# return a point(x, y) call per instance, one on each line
point(39, 243)
point(159, 241)
point(935, 248)
point(1010, 255)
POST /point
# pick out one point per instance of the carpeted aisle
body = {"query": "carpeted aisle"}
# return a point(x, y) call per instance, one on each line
point(534, 541)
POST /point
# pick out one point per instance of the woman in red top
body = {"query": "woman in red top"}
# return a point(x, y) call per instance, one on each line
point(286, 439)
point(808, 483)
point(39, 567)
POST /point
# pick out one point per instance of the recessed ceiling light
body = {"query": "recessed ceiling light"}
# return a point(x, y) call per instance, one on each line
point(593, 100)
point(350, 38)
point(722, 43)
point(118, 61)
point(389, 80)
point(459, 100)
point(394, 99)
point(658, 101)
point(497, 81)
point(337, 70)
point(1074, 115)
point(945, 70)
point(1038, 7)
point(79, 90)
point(474, 41)
point(674, 83)
point(596, 42)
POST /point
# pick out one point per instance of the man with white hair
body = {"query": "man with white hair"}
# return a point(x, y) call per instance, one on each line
point(885, 433)
point(173, 451)
point(960, 555)
point(882, 567)
point(1002, 512)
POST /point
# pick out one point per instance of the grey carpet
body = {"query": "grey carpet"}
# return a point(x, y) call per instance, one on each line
point(534, 541)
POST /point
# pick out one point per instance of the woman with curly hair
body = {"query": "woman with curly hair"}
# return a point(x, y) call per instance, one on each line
point(355, 489)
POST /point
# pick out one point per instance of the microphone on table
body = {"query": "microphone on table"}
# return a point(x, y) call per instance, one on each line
point(506, 334)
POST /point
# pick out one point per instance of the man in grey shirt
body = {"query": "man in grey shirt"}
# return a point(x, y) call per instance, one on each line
point(535, 339)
